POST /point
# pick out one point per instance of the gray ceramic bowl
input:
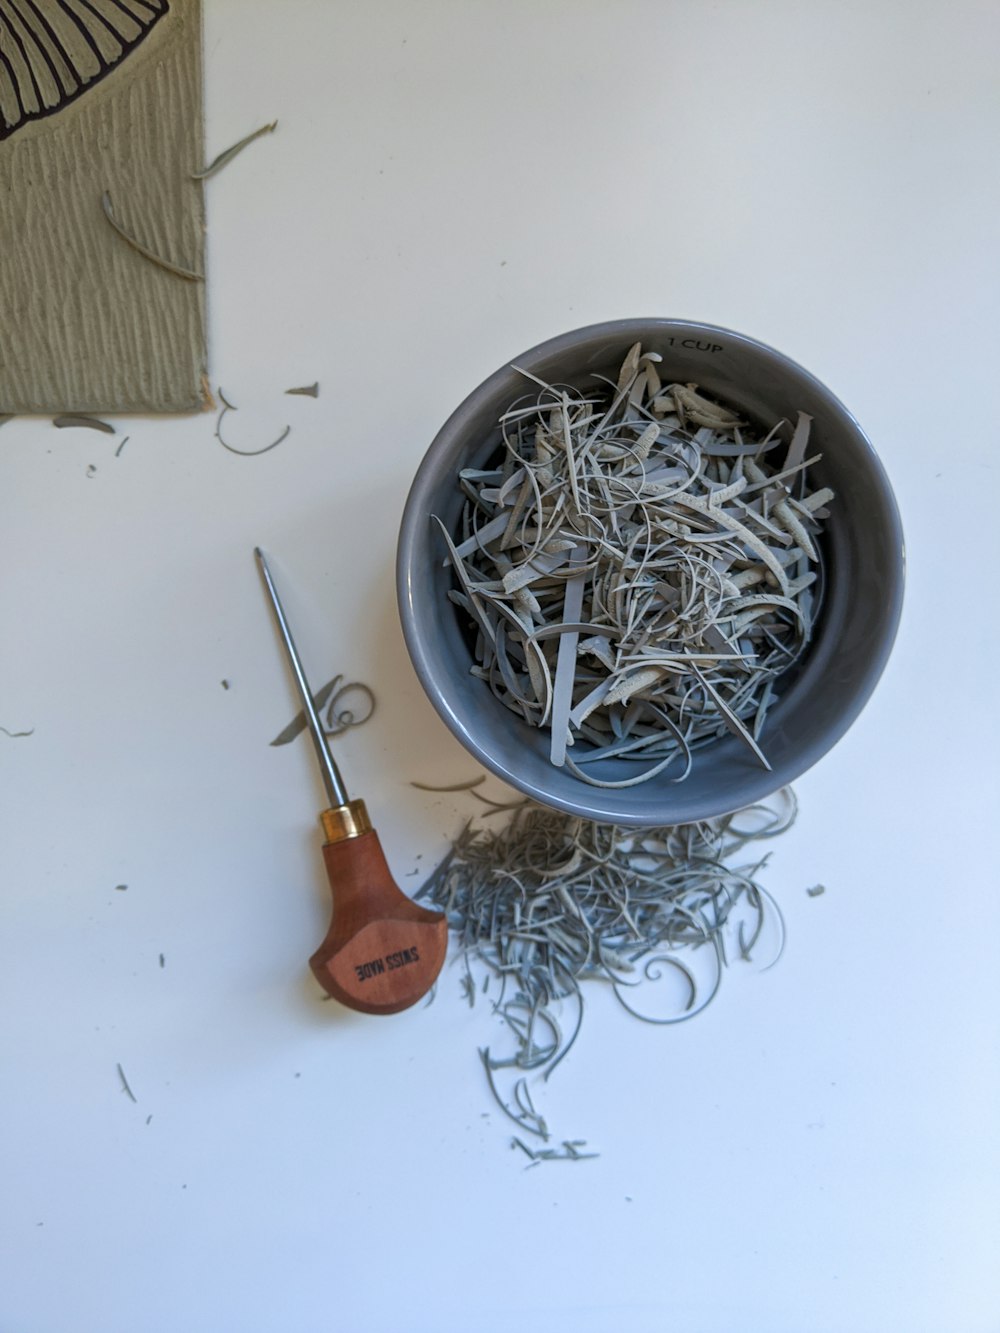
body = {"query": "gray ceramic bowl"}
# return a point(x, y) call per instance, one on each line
point(863, 552)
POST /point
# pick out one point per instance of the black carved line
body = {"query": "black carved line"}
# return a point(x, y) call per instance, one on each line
point(45, 41)
point(15, 86)
point(123, 9)
point(56, 44)
point(24, 56)
point(128, 9)
point(85, 32)
point(103, 19)
point(14, 8)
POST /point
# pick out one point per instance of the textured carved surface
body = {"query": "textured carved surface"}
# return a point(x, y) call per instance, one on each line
point(89, 324)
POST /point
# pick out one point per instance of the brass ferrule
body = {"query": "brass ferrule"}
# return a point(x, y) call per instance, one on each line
point(345, 821)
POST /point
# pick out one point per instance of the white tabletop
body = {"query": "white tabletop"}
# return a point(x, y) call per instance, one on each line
point(448, 185)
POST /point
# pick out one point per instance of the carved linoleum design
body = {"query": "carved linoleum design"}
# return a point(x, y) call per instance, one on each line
point(101, 217)
point(51, 51)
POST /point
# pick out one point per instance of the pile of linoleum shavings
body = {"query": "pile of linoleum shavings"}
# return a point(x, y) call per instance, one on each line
point(639, 569)
point(551, 902)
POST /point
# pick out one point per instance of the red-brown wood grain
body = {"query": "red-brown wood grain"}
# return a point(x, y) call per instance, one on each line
point(382, 951)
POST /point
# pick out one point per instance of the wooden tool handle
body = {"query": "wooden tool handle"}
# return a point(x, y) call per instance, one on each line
point(382, 951)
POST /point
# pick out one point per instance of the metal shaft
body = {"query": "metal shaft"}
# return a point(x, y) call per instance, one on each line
point(332, 780)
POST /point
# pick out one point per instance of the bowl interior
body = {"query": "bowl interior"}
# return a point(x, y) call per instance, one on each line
point(817, 701)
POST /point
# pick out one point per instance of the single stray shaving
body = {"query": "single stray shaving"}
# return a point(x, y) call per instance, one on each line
point(331, 696)
point(187, 274)
point(125, 1086)
point(245, 453)
point(219, 162)
point(454, 786)
point(70, 419)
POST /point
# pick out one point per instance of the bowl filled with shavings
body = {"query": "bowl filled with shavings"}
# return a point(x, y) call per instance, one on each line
point(650, 571)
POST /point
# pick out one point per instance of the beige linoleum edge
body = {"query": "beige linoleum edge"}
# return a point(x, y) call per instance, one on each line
point(91, 325)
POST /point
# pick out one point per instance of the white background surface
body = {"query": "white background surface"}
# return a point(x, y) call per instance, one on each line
point(449, 184)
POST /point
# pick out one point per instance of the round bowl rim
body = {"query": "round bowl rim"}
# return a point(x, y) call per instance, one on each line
point(593, 802)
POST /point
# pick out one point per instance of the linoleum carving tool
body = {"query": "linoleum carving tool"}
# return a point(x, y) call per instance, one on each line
point(382, 951)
